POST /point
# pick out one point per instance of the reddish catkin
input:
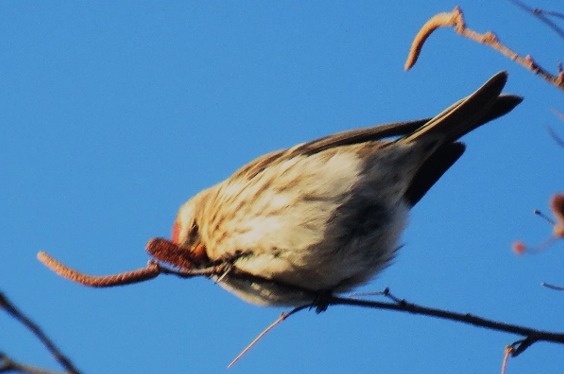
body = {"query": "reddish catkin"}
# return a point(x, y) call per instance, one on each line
point(120, 279)
point(557, 207)
point(519, 247)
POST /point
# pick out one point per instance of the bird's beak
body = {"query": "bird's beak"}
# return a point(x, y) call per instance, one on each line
point(199, 254)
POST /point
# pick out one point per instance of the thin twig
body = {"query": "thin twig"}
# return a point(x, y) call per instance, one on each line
point(506, 353)
point(558, 113)
point(551, 13)
point(385, 292)
point(456, 19)
point(555, 137)
point(8, 365)
point(36, 330)
point(552, 287)
point(540, 14)
point(539, 213)
point(282, 317)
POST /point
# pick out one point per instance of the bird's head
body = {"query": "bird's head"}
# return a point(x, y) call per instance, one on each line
point(186, 233)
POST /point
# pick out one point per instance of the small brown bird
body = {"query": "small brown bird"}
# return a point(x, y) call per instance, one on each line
point(326, 216)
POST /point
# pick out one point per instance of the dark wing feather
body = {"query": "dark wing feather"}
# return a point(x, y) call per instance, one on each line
point(432, 169)
point(356, 136)
point(460, 118)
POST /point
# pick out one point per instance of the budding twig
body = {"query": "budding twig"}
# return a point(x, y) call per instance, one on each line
point(456, 19)
point(557, 208)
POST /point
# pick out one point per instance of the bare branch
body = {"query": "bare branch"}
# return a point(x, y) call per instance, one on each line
point(7, 365)
point(552, 287)
point(532, 335)
point(320, 301)
point(323, 301)
point(540, 14)
point(456, 19)
point(36, 330)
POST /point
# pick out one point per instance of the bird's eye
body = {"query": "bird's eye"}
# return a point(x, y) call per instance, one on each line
point(194, 230)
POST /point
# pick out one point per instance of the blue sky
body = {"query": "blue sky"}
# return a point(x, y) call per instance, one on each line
point(114, 113)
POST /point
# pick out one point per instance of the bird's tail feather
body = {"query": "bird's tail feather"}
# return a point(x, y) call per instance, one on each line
point(482, 106)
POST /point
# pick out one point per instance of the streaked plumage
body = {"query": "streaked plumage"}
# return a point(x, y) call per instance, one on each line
point(327, 215)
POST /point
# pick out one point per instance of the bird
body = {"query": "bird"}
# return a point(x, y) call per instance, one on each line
point(326, 216)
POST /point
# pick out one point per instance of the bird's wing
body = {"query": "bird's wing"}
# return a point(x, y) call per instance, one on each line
point(463, 116)
point(356, 136)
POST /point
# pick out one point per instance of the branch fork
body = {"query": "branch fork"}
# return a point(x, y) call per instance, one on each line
point(166, 250)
